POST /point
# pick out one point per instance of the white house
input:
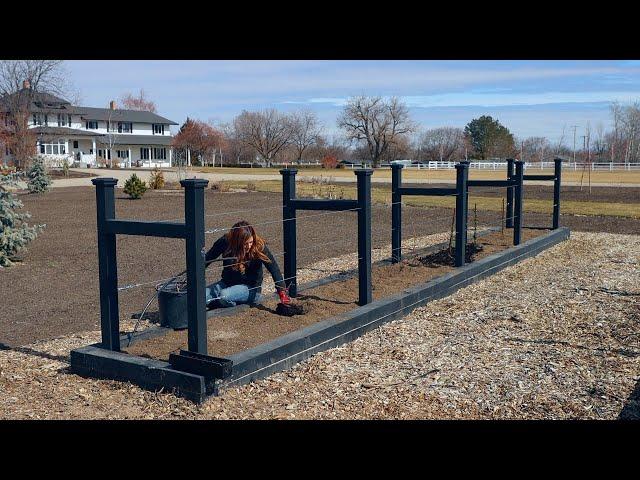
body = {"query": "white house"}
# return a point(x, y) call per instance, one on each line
point(88, 136)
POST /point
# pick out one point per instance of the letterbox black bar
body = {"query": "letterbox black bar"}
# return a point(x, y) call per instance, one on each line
point(556, 192)
point(509, 213)
point(462, 174)
point(194, 226)
point(289, 228)
point(364, 236)
point(147, 229)
point(396, 212)
point(518, 198)
point(330, 205)
point(107, 264)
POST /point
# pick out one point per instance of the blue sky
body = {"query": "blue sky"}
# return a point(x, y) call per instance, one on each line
point(532, 98)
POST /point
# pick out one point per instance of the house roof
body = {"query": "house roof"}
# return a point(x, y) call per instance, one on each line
point(45, 102)
point(137, 139)
point(91, 113)
point(64, 131)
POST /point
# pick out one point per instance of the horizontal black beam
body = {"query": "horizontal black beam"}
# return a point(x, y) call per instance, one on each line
point(201, 364)
point(332, 205)
point(147, 229)
point(490, 183)
point(430, 192)
point(538, 177)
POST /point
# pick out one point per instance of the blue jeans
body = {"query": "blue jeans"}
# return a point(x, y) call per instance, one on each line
point(231, 296)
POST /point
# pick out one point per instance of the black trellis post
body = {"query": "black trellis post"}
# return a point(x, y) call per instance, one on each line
point(195, 253)
point(107, 264)
point(289, 229)
point(364, 236)
point(396, 213)
point(556, 192)
point(462, 175)
point(518, 198)
point(509, 219)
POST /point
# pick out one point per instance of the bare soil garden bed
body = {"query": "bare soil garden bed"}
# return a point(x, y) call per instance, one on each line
point(259, 323)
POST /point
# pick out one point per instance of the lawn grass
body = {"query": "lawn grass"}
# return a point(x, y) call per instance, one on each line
point(494, 204)
point(568, 175)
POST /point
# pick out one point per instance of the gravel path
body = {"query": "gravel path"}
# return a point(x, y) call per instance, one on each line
point(556, 336)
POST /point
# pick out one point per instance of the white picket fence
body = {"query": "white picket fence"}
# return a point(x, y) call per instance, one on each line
point(528, 165)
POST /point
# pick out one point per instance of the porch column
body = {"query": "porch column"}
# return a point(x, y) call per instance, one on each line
point(188, 157)
point(129, 158)
point(170, 155)
point(93, 143)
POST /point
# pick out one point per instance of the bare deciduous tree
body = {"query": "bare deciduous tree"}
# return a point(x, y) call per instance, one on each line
point(305, 130)
point(20, 80)
point(441, 144)
point(267, 132)
point(375, 122)
point(139, 102)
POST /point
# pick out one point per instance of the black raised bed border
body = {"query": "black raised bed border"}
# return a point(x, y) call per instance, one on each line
point(284, 352)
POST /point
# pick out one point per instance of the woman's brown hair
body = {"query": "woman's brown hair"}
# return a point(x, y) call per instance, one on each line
point(237, 237)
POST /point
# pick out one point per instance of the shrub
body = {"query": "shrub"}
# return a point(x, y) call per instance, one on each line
point(15, 234)
point(39, 180)
point(65, 167)
point(134, 187)
point(219, 187)
point(157, 179)
point(251, 187)
point(329, 161)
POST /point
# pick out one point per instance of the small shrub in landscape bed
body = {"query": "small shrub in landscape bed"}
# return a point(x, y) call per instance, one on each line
point(251, 187)
point(15, 234)
point(220, 187)
point(39, 180)
point(134, 187)
point(157, 179)
point(65, 168)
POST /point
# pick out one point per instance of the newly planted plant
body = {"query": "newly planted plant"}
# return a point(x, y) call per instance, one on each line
point(134, 187)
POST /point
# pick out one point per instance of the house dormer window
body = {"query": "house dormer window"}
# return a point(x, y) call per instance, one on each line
point(91, 124)
point(64, 120)
point(125, 127)
point(158, 129)
point(37, 119)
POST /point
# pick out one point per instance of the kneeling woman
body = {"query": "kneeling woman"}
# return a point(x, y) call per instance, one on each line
point(244, 253)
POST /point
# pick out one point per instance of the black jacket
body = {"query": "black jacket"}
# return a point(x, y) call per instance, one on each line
point(252, 276)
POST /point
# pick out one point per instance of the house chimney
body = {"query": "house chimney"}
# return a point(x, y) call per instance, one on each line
point(112, 105)
point(26, 84)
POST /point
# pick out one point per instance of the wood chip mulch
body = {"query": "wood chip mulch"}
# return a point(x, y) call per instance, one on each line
point(554, 337)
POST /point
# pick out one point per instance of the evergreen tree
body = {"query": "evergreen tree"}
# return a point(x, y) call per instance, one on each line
point(39, 180)
point(489, 138)
point(134, 187)
point(15, 234)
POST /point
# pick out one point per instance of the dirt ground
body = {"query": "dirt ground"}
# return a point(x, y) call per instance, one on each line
point(260, 323)
point(54, 291)
point(554, 337)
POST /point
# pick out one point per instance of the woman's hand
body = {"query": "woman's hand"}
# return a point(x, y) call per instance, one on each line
point(284, 297)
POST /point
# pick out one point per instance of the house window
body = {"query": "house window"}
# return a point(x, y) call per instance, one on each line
point(53, 148)
point(37, 119)
point(158, 129)
point(123, 153)
point(92, 124)
point(75, 144)
point(158, 153)
point(144, 154)
point(46, 120)
point(125, 127)
point(64, 120)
